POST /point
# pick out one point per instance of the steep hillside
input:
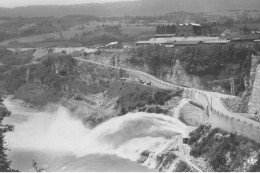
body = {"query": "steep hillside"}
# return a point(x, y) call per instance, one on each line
point(93, 93)
point(204, 66)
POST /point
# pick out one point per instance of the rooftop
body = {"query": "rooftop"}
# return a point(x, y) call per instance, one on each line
point(238, 37)
point(194, 42)
point(112, 43)
point(193, 24)
point(216, 41)
point(182, 40)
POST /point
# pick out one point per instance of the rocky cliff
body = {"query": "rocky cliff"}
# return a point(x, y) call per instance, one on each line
point(254, 102)
point(175, 72)
point(93, 93)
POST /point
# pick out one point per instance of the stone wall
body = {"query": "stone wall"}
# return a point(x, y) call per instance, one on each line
point(234, 125)
point(193, 116)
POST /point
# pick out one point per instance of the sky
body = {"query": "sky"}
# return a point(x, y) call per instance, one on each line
point(18, 3)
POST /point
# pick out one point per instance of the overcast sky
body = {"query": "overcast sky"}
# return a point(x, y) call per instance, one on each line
point(17, 3)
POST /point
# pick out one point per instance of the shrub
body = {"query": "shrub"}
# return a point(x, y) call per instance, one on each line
point(14, 80)
point(215, 144)
point(163, 96)
point(79, 97)
point(182, 167)
point(197, 134)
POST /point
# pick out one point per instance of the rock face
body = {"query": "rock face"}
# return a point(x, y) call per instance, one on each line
point(169, 156)
point(3, 111)
point(175, 74)
point(179, 76)
point(92, 109)
point(254, 103)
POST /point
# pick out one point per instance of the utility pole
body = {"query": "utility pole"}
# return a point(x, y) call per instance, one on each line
point(211, 103)
point(232, 84)
point(61, 37)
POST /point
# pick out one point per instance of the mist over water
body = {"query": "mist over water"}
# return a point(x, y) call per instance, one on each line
point(125, 137)
point(47, 131)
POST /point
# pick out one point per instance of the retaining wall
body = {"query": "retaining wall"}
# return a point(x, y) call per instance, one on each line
point(234, 125)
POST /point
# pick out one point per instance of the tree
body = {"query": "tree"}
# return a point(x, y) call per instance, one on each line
point(35, 166)
point(4, 162)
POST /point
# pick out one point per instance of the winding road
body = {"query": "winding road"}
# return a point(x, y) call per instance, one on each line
point(211, 99)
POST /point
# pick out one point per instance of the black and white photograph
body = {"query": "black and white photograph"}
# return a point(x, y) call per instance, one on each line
point(129, 85)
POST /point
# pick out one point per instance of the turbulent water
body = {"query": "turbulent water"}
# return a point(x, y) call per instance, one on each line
point(59, 142)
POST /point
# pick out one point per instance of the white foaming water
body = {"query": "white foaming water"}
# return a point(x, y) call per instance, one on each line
point(126, 137)
point(58, 131)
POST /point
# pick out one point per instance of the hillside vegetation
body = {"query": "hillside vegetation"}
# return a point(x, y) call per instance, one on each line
point(8, 57)
point(200, 60)
point(5, 164)
point(223, 151)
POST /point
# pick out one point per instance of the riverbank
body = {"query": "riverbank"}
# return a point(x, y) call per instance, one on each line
point(4, 162)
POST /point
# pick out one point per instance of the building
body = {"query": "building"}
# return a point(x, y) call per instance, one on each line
point(164, 35)
point(183, 41)
point(186, 29)
point(257, 41)
point(187, 43)
point(112, 45)
point(219, 41)
point(166, 29)
point(189, 29)
point(242, 38)
point(244, 30)
point(255, 32)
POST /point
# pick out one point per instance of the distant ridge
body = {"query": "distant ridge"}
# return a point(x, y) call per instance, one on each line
point(134, 8)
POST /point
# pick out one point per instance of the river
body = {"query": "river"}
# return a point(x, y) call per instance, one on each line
point(59, 142)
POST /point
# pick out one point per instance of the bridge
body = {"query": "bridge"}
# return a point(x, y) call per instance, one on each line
point(219, 115)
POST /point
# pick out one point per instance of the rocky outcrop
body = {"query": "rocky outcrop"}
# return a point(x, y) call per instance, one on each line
point(92, 109)
point(3, 111)
point(254, 103)
point(173, 156)
point(177, 75)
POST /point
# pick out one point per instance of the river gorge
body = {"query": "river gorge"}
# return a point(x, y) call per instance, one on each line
point(57, 141)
